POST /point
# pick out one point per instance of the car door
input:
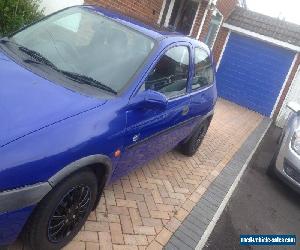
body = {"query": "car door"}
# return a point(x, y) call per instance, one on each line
point(203, 94)
point(152, 131)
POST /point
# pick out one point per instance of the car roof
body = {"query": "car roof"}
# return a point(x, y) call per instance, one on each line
point(147, 30)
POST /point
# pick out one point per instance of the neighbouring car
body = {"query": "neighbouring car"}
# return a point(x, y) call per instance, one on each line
point(86, 96)
point(286, 161)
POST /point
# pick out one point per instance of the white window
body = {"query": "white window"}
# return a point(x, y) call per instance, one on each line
point(213, 28)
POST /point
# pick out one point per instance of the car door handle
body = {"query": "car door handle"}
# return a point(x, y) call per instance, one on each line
point(185, 110)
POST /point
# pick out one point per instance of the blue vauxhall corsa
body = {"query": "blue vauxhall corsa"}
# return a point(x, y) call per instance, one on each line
point(86, 96)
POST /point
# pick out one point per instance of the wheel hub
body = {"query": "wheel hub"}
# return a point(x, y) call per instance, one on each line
point(69, 213)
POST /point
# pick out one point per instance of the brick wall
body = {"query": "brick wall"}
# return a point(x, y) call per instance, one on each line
point(199, 17)
point(287, 86)
point(146, 11)
point(226, 7)
point(219, 44)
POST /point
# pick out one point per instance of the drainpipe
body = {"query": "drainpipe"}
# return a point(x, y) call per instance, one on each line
point(204, 17)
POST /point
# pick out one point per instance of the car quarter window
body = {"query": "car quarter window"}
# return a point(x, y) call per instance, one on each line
point(204, 73)
point(170, 74)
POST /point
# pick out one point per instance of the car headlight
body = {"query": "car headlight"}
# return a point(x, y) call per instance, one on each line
point(296, 142)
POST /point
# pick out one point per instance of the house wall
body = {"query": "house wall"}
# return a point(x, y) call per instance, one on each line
point(287, 86)
point(225, 7)
point(51, 6)
point(146, 11)
point(220, 43)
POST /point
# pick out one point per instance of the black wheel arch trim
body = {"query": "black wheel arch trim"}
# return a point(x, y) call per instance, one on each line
point(82, 163)
point(19, 198)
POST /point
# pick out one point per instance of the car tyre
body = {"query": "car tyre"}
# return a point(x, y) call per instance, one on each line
point(190, 147)
point(62, 213)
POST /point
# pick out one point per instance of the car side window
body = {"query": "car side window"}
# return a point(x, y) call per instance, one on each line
point(204, 73)
point(170, 74)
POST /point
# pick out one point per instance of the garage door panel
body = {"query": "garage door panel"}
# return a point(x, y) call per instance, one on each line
point(252, 73)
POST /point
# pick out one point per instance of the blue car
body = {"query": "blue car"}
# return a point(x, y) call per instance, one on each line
point(86, 96)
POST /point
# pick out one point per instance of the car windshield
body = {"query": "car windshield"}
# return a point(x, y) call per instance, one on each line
point(84, 43)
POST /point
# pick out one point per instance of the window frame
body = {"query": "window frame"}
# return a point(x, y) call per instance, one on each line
point(162, 53)
point(194, 71)
point(218, 29)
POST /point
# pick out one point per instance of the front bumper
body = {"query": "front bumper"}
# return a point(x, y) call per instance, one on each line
point(288, 165)
point(12, 223)
point(15, 208)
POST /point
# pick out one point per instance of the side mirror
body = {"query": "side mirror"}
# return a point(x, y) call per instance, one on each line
point(295, 107)
point(149, 99)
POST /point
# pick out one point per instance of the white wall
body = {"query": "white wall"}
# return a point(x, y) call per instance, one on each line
point(51, 6)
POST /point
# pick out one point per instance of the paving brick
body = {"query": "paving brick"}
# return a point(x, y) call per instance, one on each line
point(154, 245)
point(151, 222)
point(159, 196)
point(125, 247)
point(164, 236)
point(116, 233)
point(87, 236)
point(146, 230)
point(104, 217)
point(92, 246)
point(156, 196)
point(166, 208)
point(188, 205)
point(73, 245)
point(110, 197)
point(181, 214)
point(105, 241)
point(118, 191)
point(118, 210)
point(92, 216)
point(159, 214)
point(126, 203)
point(97, 226)
point(135, 240)
point(173, 224)
point(135, 216)
point(143, 209)
point(126, 224)
point(134, 197)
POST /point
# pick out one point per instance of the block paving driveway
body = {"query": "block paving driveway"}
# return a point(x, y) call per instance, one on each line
point(143, 209)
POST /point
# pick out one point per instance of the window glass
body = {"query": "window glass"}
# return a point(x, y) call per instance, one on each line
point(70, 22)
point(80, 41)
point(213, 30)
point(204, 73)
point(171, 72)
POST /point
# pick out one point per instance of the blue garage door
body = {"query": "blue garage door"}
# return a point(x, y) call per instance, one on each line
point(252, 73)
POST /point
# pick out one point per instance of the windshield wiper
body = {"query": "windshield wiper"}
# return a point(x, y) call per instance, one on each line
point(4, 40)
point(39, 58)
point(88, 80)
